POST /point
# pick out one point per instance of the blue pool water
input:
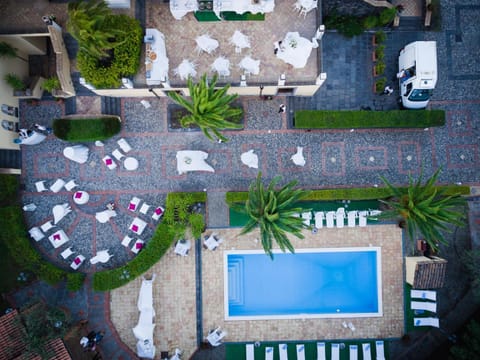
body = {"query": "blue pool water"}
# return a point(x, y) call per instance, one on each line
point(340, 282)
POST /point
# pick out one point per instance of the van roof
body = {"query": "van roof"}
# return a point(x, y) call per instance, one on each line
point(426, 59)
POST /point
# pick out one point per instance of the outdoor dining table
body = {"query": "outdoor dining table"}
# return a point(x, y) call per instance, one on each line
point(81, 197)
point(182, 247)
point(295, 50)
point(180, 8)
point(102, 256)
point(211, 242)
point(130, 163)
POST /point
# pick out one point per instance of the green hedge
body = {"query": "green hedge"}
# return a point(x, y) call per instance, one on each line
point(161, 241)
point(348, 194)
point(9, 189)
point(126, 56)
point(71, 129)
point(326, 119)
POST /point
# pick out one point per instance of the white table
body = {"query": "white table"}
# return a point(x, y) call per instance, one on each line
point(77, 153)
point(156, 60)
point(211, 243)
point(130, 163)
point(81, 197)
point(185, 70)
point(243, 6)
point(102, 256)
point(180, 8)
point(250, 65)
point(191, 160)
point(295, 50)
point(182, 247)
point(137, 226)
point(58, 238)
point(222, 66)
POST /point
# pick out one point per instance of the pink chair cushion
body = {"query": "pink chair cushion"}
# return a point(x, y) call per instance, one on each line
point(108, 161)
point(158, 211)
point(78, 195)
point(135, 228)
point(77, 261)
point(131, 206)
point(56, 237)
point(138, 245)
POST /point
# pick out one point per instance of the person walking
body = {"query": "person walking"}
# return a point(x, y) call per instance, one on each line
point(282, 108)
point(388, 90)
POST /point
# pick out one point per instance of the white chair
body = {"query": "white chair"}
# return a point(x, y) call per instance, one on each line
point(269, 353)
point(250, 66)
point(321, 355)
point(77, 262)
point(47, 226)
point(427, 321)
point(424, 294)
point(380, 348)
point(221, 65)
point(126, 241)
point(216, 336)
point(124, 145)
point(304, 12)
point(362, 218)
point(351, 326)
point(340, 216)
point(138, 246)
point(36, 233)
point(134, 204)
point(240, 41)
point(330, 219)
point(57, 185)
point(107, 160)
point(353, 350)
point(144, 208)
point(66, 253)
point(243, 80)
point(307, 217)
point(117, 154)
point(367, 353)
point(319, 216)
point(424, 305)
point(282, 349)
point(70, 185)
point(146, 104)
point(249, 350)
point(137, 226)
point(335, 351)
point(158, 213)
point(300, 352)
point(186, 69)
point(351, 215)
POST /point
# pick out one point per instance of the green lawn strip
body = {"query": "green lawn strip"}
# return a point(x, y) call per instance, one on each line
point(71, 129)
point(233, 16)
point(204, 16)
point(237, 351)
point(333, 119)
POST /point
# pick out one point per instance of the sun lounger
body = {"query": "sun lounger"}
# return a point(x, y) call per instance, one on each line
point(300, 352)
point(77, 262)
point(134, 204)
point(47, 226)
point(249, 349)
point(70, 185)
point(269, 353)
point(367, 353)
point(144, 208)
point(330, 219)
point(353, 351)
point(380, 348)
point(374, 213)
point(36, 233)
point(319, 215)
point(137, 226)
point(107, 160)
point(66, 253)
point(351, 218)
point(124, 145)
point(126, 241)
point(335, 351)
point(117, 154)
point(424, 294)
point(57, 185)
point(340, 216)
point(428, 321)
point(424, 305)
point(321, 351)
point(139, 244)
point(307, 217)
point(362, 218)
point(282, 350)
point(40, 185)
point(158, 213)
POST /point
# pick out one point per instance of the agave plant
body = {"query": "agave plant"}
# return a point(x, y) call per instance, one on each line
point(209, 108)
point(425, 209)
point(274, 212)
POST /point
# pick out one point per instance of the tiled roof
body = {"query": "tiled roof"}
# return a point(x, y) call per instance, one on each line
point(430, 274)
point(12, 344)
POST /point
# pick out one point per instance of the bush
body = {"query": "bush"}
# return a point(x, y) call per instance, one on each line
point(9, 185)
point(15, 82)
point(88, 129)
point(325, 119)
point(348, 26)
point(51, 84)
point(387, 16)
point(125, 59)
point(379, 68)
point(380, 84)
point(75, 281)
point(380, 36)
point(380, 52)
point(370, 22)
point(159, 244)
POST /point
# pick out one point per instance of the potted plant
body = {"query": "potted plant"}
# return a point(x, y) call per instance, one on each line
point(378, 53)
point(51, 85)
point(378, 37)
point(17, 84)
point(379, 68)
point(379, 85)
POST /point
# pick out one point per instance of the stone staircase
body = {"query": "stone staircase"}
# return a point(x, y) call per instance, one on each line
point(111, 105)
point(10, 159)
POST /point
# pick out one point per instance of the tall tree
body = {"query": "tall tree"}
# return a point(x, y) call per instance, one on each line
point(275, 212)
point(425, 209)
point(209, 108)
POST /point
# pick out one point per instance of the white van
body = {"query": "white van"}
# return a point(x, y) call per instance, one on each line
point(417, 73)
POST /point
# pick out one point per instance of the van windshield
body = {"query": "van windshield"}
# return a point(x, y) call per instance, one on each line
point(419, 95)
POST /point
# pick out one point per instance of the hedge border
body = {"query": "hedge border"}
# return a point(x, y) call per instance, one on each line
point(87, 129)
point(361, 119)
point(157, 246)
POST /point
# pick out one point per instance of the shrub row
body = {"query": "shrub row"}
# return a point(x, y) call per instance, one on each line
point(71, 129)
point(325, 119)
point(125, 60)
point(157, 246)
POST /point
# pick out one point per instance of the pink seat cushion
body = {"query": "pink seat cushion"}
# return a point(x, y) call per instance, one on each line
point(77, 261)
point(158, 211)
point(56, 237)
point(108, 161)
point(78, 195)
point(131, 206)
point(139, 245)
point(135, 228)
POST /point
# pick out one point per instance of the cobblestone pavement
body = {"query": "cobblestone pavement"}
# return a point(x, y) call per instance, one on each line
point(334, 158)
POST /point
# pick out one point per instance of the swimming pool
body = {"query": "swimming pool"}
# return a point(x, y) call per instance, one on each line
point(312, 283)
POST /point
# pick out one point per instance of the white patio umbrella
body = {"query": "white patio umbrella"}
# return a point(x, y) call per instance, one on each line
point(185, 69)
point(222, 66)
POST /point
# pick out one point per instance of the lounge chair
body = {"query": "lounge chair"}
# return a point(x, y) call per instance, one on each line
point(70, 185)
point(77, 262)
point(137, 226)
point(353, 351)
point(351, 215)
point(36, 233)
point(250, 353)
point(47, 226)
point(335, 351)
point(321, 355)
point(117, 154)
point(66, 253)
point(57, 185)
point(124, 145)
point(307, 217)
point(144, 208)
point(158, 213)
point(269, 353)
point(300, 352)
point(428, 321)
point(424, 294)
point(282, 349)
point(126, 241)
point(134, 204)
point(107, 160)
point(362, 218)
point(319, 215)
point(380, 348)
point(215, 336)
point(367, 353)
point(40, 185)
point(340, 216)
point(330, 219)
point(424, 305)
point(139, 244)
point(374, 213)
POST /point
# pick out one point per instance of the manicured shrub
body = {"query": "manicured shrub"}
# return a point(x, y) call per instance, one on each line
point(9, 187)
point(380, 84)
point(379, 68)
point(88, 129)
point(387, 16)
point(370, 22)
point(380, 52)
point(380, 36)
point(50, 273)
point(75, 281)
point(326, 119)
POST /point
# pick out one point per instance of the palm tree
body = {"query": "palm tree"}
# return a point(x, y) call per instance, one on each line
point(8, 51)
point(274, 212)
point(424, 208)
point(209, 108)
point(87, 24)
